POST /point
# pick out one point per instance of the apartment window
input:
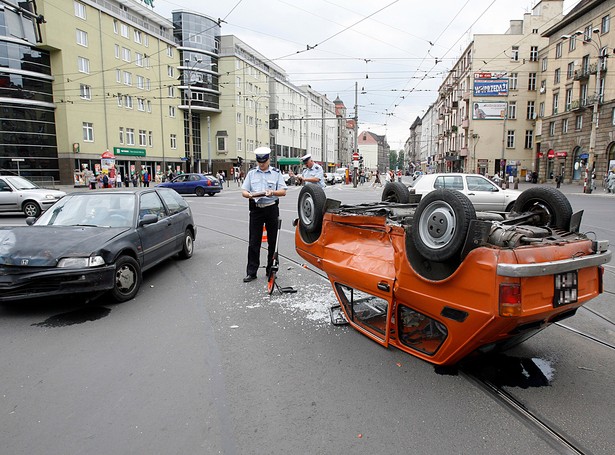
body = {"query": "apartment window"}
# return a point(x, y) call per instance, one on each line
point(239, 144)
point(533, 53)
point(603, 56)
point(529, 139)
point(555, 103)
point(512, 110)
point(169, 51)
point(85, 91)
point(572, 43)
point(601, 90)
point(544, 64)
point(238, 82)
point(127, 78)
point(88, 132)
point(570, 70)
point(84, 65)
point(531, 111)
point(568, 99)
point(124, 30)
point(541, 109)
point(142, 137)
point(578, 124)
point(557, 76)
point(146, 40)
point(121, 134)
point(80, 10)
point(117, 51)
point(150, 138)
point(564, 125)
point(531, 82)
point(173, 141)
point(148, 84)
point(141, 104)
point(221, 143)
point(558, 50)
point(128, 101)
point(510, 139)
point(584, 94)
point(171, 92)
point(126, 54)
point(138, 59)
point(605, 25)
point(146, 62)
point(140, 82)
point(543, 86)
point(515, 54)
point(130, 136)
point(585, 64)
point(149, 106)
point(120, 99)
point(138, 36)
point(172, 111)
point(512, 81)
point(118, 76)
point(587, 33)
point(238, 117)
point(115, 26)
point(82, 38)
point(170, 71)
point(551, 129)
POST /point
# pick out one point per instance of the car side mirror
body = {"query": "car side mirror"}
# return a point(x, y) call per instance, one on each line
point(150, 218)
point(30, 220)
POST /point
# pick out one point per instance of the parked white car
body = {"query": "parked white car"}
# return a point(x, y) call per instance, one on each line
point(18, 194)
point(484, 194)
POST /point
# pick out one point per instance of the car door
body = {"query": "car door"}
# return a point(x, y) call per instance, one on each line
point(9, 199)
point(484, 194)
point(178, 184)
point(157, 238)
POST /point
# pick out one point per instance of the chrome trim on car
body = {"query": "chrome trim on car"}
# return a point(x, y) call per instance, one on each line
point(552, 267)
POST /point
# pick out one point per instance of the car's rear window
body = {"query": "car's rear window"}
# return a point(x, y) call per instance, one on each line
point(175, 203)
point(451, 182)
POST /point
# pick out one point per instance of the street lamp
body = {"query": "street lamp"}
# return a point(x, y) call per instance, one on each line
point(591, 164)
point(189, 72)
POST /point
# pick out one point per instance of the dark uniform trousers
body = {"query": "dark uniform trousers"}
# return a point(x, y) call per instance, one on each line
point(267, 216)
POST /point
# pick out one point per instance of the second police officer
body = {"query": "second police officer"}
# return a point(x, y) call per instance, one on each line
point(313, 172)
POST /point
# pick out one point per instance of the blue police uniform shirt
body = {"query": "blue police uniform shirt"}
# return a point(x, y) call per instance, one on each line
point(257, 181)
point(315, 171)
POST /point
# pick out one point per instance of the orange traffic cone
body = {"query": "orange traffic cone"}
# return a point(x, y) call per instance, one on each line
point(264, 238)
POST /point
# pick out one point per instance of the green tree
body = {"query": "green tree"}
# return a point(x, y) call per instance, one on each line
point(400, 160)
point(392, 159)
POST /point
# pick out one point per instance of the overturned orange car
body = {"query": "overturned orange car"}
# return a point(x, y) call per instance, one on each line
point(438, 280)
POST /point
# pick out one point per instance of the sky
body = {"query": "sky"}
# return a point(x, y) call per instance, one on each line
point(396, 51)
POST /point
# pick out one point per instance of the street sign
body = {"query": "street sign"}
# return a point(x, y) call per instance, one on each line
point(17, 159)
point(355, 156)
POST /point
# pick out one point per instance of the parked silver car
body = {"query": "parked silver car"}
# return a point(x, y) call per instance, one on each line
point(482, 192)
point(18, 194)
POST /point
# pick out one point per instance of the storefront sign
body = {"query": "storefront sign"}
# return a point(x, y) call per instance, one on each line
point(561, 154)
point(125, 151)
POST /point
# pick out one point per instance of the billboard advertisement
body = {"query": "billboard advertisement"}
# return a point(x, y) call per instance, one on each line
point(490, 87)
point(489, 110)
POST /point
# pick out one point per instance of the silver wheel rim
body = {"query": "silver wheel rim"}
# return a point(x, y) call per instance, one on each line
point(307, 210)
point(125, 279)
point(30, 210)
point(437, 225)
point(189, 244)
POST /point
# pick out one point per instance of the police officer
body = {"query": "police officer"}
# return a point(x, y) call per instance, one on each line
point(313, 172)
point(262, 186)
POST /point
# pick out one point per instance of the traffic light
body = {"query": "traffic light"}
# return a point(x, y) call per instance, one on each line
point(239, 160)
point(273, 121)
point(361, 161)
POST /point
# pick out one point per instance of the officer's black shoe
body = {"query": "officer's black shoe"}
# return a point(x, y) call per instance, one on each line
point(249, 278)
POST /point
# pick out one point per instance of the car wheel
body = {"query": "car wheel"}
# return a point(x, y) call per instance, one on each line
point(395, 192)
point(188, 245)
point(549, 202)
point(311, 207)
point(441, 223)
point(127, 279)
point(31, 208)
point(199, 191)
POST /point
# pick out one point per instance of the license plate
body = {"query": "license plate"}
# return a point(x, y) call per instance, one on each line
point(566, 288)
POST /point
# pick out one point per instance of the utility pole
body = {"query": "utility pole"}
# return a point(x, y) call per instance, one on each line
point(356, 133)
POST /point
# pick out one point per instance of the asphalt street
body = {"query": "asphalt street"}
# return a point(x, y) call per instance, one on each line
point(200, 362)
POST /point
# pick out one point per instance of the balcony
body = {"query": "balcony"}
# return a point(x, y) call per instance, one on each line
point(581, 74)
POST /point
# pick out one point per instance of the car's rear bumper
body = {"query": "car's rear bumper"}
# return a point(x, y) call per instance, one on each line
point(54, 282)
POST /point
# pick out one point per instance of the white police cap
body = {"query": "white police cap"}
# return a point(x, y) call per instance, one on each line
point(262, 154)
point(305, 158)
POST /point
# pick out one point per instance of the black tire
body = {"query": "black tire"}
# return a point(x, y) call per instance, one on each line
point(395, 192)
point(211, 194)
point(199, 191)
point(31, 208)
point(441, 223)
point(550, 202)
point(127, 279)
point(311, 207)
point(188, 245)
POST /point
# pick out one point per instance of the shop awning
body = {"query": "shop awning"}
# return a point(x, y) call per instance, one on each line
point(283, 161)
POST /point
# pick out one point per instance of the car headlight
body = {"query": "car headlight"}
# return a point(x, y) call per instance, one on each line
point(51, 196)
point(80, 263)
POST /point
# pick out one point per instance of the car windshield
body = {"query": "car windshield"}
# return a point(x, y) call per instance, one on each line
point(21, 184)
point(101, 210)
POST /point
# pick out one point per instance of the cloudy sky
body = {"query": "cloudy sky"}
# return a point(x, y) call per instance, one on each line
point(389, 47)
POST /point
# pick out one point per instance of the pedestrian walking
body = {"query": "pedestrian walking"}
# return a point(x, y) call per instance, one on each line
point(610, 182)
point(263, 186)
point(377, 180)
point(313, 172)
point(118, 179)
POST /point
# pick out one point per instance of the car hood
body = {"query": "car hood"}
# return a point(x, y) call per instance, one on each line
point(42, 192)
point(23, 245)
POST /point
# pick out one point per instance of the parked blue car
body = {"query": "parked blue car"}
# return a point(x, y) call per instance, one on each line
point(199, 184)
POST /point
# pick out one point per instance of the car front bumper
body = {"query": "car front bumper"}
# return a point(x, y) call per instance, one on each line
point(23, 285)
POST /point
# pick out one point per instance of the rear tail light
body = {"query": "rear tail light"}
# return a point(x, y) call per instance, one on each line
point(510, 299)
